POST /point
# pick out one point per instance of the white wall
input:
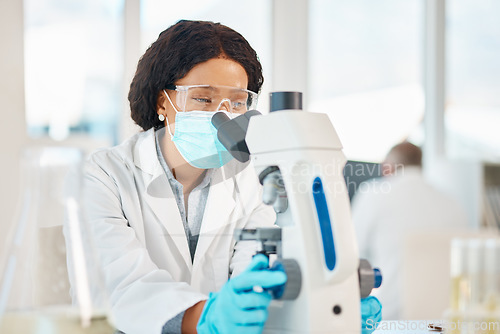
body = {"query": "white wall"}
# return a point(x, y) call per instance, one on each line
point(12, 124)
point(290, 46)
point(132, 53)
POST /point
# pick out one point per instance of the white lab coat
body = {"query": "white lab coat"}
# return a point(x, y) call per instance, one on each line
point(140, 237)
point(387, 210)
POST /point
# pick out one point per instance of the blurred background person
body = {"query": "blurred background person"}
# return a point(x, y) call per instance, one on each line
point(386, 210)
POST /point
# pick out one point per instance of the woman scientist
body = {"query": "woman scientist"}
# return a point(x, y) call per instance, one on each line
point(163, 206)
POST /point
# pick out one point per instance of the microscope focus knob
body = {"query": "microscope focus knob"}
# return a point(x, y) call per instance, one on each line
point(378, 277)
point(291, 289)
point(369, 278)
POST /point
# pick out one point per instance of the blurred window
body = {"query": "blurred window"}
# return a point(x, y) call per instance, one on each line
point(73, 68)
point(472, 113)
point(365, 72)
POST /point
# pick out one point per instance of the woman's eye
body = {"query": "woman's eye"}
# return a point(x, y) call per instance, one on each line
point(202, 100)
point(239, 105)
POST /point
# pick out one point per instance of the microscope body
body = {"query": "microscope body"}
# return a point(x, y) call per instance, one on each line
point(316, 229)
point(298, 157)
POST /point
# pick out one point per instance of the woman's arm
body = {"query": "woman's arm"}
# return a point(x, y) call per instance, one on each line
point(191, 318)
point(143, 297)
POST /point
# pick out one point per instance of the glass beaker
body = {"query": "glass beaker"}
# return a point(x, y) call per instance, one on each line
point(492, 277)
point(459, 286)
point(492, 285)
point(35, 291)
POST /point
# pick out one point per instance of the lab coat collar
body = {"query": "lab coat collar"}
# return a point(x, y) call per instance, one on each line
point(220, 204)
point(161, 199)
point(145, 157)
point(159, 196)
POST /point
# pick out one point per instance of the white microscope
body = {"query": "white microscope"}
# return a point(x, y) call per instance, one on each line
point(299, 160)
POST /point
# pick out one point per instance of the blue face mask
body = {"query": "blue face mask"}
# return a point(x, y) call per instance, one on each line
point(196, 139)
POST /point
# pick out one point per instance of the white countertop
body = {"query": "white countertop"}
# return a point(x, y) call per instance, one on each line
point(405, 326)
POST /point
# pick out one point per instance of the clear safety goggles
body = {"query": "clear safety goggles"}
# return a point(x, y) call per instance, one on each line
point(214, 98)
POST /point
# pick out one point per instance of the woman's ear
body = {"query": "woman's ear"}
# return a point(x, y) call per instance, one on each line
point(160, 103)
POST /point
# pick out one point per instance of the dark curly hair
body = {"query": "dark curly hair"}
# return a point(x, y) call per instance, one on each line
point(176, 51)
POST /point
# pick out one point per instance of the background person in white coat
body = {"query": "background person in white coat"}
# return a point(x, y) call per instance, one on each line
point(387, 210)
point(163, 205)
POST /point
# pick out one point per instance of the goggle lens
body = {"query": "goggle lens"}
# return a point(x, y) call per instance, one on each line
point(214, 98)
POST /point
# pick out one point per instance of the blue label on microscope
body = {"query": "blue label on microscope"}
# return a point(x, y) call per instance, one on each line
point(324, 223)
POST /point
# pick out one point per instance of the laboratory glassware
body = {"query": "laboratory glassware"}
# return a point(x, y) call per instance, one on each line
point(50, 246)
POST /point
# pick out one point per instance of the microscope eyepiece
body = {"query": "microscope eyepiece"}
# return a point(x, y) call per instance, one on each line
point(286, 100)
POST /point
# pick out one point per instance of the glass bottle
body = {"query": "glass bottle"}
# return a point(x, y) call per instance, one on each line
point(459, 284)
point(492, 277)
point(35, 291)
point(459, 289)
point(492, 285)
point(475, 281)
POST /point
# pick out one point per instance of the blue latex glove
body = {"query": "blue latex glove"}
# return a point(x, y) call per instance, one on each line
point(371, 314)
point(236, 308)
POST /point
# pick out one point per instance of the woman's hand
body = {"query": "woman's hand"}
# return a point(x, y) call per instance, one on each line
point(371, 314)
point(237, 308)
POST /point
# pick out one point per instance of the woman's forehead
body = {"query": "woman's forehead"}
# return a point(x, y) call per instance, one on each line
point(216, 72)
